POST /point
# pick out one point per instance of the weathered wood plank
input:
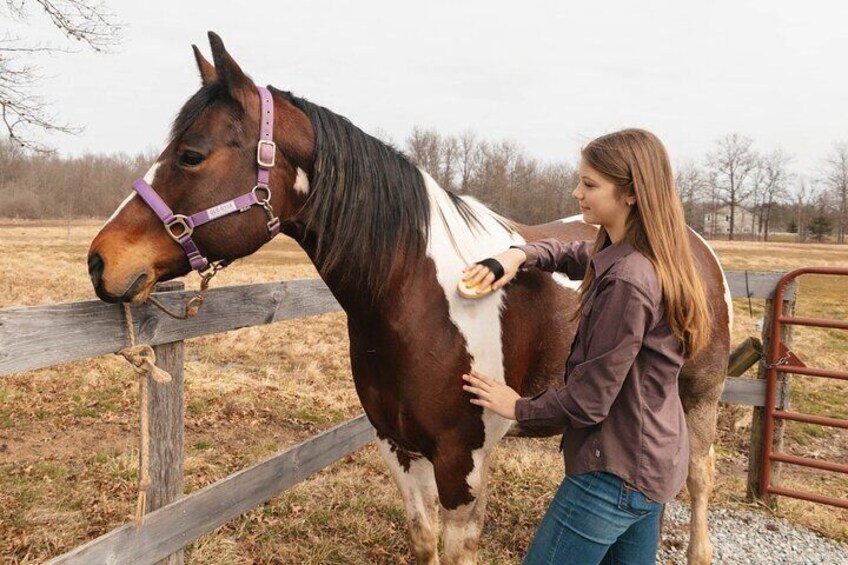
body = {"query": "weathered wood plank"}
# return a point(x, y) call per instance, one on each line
point(744, 356)
point(749, 392)
point(170, 528)
point(760, 285)
point(167, 428)
point(41, 336)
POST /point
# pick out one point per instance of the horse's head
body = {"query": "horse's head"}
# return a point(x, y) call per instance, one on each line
point(201, 188)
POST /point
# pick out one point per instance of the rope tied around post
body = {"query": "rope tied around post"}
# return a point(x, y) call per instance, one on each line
point(143, 360)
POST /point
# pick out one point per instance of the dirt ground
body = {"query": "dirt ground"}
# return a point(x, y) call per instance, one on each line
point(68, 434)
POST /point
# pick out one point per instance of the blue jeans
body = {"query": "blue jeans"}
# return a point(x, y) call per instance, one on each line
point(597, 518)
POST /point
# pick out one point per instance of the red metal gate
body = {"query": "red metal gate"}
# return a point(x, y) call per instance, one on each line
point(778, 362)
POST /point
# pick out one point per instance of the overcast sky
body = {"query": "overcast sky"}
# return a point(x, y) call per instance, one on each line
point(548, 75)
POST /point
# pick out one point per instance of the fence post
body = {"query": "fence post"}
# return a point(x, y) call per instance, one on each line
point(167, 429)
point(755, 455)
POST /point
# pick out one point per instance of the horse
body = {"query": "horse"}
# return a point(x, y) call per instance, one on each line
point(390, 244)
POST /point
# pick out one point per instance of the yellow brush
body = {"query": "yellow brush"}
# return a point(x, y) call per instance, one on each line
point(466, 291)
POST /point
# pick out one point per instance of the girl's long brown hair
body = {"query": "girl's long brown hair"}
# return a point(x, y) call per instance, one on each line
point(636, 162)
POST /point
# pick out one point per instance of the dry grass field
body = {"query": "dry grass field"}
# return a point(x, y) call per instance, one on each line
point(68, 456)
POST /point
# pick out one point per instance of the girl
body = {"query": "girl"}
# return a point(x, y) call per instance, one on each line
point(642, 313)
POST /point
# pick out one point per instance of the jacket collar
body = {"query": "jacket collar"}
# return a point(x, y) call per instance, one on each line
point(606, 257)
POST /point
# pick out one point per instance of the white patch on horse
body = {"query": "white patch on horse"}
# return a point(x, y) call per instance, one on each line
point(301, 183)
point(479, 321)
point(575, 218)
point(148, 178)
point(119, 208)
point(151, 174)
point(728, 298)
point(420, 496)
point(566, 282)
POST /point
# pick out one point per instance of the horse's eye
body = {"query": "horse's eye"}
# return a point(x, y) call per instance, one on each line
point(191, 158)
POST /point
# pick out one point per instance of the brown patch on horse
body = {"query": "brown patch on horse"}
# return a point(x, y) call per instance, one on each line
point(536, 337)
point(408, 359)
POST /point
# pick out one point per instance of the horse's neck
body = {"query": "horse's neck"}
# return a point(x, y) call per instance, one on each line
point(452, 244)
point(349, 288)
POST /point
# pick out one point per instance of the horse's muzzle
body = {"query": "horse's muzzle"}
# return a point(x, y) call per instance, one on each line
point(95, 272)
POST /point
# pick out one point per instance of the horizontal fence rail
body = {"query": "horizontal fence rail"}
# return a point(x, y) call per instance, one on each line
point(34, 337)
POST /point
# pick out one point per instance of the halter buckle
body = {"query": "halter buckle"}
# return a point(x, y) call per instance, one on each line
point(179, 221)
point(267, 164)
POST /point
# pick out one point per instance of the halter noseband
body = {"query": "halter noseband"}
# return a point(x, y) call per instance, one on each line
point(180, 227)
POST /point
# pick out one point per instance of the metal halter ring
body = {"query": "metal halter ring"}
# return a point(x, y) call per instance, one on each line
point(266, 190)
point(182, 221)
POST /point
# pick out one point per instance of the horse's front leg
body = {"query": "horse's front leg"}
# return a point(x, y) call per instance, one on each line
point(463, 498)
point(461, 477)
point(414, 477)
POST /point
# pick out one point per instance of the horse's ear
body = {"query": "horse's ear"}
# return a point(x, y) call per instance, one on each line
point(207, 71)
point(229, 73)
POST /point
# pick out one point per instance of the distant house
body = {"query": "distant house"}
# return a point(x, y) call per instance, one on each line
point(743, 222)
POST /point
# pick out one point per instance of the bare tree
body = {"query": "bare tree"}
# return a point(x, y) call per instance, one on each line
point(692, 186)
point(776, 177)
point(469, 159)
point(732, 163)
point(423, 146)
point(836, 178)
point(804, 197)
point(449, 158)
point(756, 185)
point(25, 114)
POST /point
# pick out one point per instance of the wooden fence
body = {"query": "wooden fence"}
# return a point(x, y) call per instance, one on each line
point(42, 336)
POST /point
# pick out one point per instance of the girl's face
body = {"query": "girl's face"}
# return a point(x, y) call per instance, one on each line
point(599, 201)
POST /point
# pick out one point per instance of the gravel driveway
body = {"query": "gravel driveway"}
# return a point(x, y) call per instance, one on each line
point(749, 538)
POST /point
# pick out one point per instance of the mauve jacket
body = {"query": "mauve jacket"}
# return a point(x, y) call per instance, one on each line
point(619, 409)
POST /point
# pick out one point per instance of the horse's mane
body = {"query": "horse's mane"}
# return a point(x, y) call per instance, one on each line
point(367, 201)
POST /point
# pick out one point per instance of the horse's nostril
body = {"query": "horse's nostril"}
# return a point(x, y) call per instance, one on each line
point(95, 268)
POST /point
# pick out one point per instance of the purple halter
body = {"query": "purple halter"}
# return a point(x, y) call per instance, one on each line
point(180, 227)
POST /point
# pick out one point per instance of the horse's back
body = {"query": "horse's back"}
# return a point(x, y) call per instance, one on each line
point(568, 229)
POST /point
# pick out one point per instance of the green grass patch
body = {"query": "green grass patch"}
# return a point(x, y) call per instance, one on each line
point(197, 406)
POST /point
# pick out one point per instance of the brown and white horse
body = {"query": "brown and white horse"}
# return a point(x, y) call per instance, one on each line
point(390, 244)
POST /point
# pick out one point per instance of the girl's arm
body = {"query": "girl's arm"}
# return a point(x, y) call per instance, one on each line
point(571, 258)
point(550, 255)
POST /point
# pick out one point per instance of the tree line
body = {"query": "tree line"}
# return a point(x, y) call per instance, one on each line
point(753, 193)
point(738, 179)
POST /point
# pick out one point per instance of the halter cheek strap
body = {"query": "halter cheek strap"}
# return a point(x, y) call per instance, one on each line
point(181, 227)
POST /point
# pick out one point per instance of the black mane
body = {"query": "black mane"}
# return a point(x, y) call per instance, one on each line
point(367, 204)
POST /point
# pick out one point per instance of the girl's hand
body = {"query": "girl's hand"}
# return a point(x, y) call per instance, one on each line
point(491, 394)
point(475, 274)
